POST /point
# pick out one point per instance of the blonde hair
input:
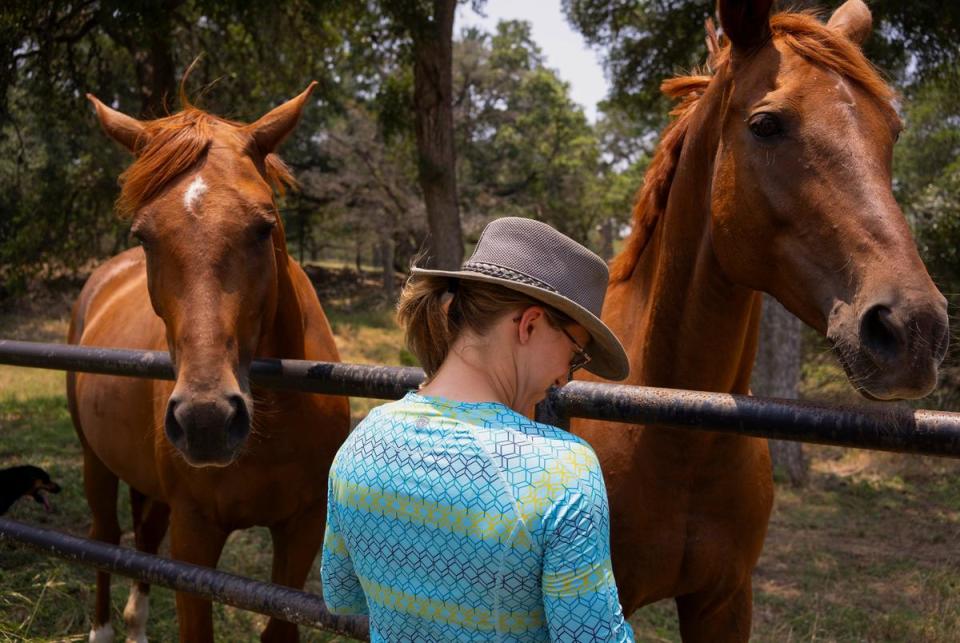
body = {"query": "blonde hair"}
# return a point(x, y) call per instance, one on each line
point(430, 330)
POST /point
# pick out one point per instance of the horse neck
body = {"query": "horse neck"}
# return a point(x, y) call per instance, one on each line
point(696, 329)
point(282, 333)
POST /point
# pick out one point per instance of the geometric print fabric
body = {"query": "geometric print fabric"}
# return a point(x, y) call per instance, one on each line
point(455, 521)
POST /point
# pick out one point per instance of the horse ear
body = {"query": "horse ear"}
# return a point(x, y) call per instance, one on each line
point(745, 22)
point(124, 129)
point(273, 127)
point(853, 20)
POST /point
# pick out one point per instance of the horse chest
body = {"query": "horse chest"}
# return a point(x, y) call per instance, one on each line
point(258, 489)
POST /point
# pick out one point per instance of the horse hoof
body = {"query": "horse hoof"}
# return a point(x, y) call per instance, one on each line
point(135, 615)
point(102, 634)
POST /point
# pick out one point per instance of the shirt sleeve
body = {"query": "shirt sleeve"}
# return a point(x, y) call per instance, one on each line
point(342, 591)
point(579, 592)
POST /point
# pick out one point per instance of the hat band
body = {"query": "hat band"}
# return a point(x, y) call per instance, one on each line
point(493, 270)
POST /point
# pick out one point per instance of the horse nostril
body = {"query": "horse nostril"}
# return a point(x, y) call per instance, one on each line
point(238, 425)
point(171, 425)
point(879, 334)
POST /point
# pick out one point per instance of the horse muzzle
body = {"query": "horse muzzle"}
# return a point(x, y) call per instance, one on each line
point(208, 430)
point(893, 349)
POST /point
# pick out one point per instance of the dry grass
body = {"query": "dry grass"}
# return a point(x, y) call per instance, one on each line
point(868, 552)
point(44, 599)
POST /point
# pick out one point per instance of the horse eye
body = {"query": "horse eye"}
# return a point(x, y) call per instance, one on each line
point(765, 125)
point(264, 231)
point(139, 239)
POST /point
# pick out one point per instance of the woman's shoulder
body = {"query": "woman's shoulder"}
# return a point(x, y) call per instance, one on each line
point(547, 432)
point(551, 446)
point(391, 411)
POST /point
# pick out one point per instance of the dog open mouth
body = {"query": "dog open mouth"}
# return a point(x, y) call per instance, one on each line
point(39, 494)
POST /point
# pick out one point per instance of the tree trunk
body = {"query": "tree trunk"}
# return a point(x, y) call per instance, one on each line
point(150, 46)
point(436, 156)
point(607, 232)
point(777, 374)
point(156, 76)
point(386, 258)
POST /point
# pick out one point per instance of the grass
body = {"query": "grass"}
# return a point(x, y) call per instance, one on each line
point(867, 552)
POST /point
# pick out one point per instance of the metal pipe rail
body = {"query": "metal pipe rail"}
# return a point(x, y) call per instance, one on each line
point(331, 378)
point(880, 426)
point(891, 427)
point(265, 598)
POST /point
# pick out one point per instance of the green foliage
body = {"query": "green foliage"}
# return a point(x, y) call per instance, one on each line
point(58, 171)
point(644, 41)
point(525, 148)
point(927, 166)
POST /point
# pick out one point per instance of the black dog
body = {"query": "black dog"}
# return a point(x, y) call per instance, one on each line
point(18, 482)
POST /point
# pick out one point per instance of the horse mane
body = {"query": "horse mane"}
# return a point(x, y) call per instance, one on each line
point(807, 37)
point(174, 144)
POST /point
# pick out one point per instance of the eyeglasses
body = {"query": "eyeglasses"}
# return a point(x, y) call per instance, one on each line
point(580, 357)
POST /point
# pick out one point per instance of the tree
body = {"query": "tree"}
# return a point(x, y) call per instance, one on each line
point(526, 147)
point(776, 373)
point(625, 154)
point(927, 167)
point(429, 26)
point(57, 171)
point(370, 186)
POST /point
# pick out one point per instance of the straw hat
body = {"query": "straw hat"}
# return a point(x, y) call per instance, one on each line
point(533, 258)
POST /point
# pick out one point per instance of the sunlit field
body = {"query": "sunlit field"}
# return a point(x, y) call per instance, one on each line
point(867, 552)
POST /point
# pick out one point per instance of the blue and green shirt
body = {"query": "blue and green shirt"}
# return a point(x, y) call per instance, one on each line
point(454, 521)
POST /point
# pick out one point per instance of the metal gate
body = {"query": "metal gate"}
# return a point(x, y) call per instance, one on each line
point(895, 428)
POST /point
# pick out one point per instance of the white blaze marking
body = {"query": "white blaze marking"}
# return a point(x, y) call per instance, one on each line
point(102, 634)
point(135, 615)
point(194, 194)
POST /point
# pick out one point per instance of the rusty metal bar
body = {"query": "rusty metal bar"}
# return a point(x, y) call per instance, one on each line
point(886, 427)
point(330, 378)
point(281, 602)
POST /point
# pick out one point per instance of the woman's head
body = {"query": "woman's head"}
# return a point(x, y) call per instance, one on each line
point(514, 319)
point(438, 313)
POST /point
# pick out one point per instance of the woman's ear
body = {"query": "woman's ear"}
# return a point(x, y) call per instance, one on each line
point(446, 300)
point(529, 319)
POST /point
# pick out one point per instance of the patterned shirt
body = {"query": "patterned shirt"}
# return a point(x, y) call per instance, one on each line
point(455, 521)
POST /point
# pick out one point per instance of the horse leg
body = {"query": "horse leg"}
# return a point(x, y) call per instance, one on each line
point(100, 486)
point(195, 539)
point(150, 520)
point(295, 545)
point(716, 618)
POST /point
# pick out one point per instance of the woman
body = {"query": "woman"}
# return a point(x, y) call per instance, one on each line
point(451, 515)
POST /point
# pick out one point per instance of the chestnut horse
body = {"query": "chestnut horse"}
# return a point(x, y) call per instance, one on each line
point(774, 176)
point(213, 284)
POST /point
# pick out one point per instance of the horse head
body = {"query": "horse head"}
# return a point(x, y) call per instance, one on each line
point(200, 198)
point(801, 202)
